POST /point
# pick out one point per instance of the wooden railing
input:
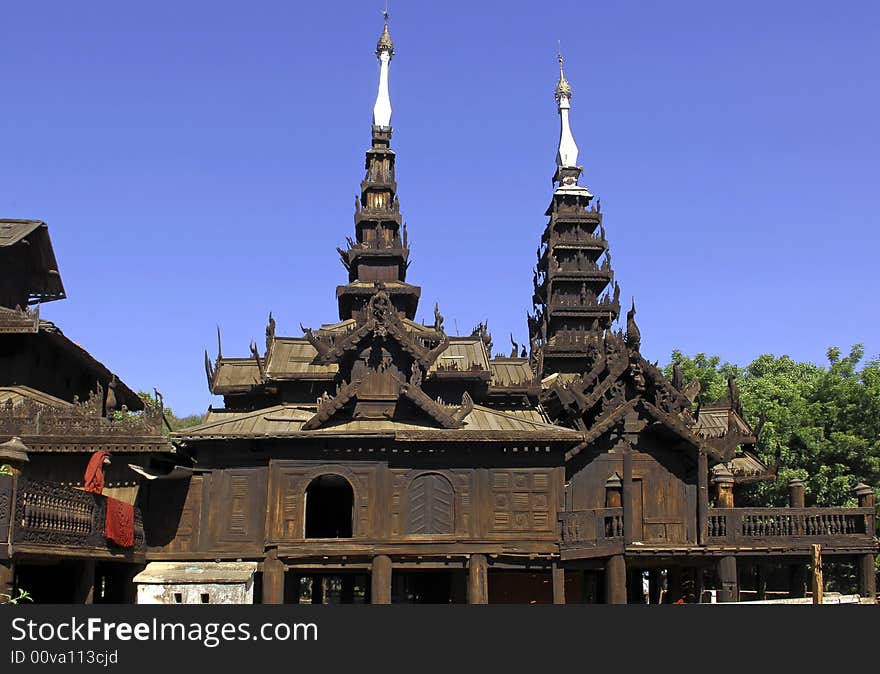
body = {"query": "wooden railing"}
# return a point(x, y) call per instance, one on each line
point(743, 526)
point(591, 528)
point(49, 514)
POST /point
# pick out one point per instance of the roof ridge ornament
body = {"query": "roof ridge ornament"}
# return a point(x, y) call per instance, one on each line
point(567, 171)
point(384, 53)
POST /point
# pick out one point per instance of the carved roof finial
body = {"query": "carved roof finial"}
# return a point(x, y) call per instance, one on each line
point(633, 334)
point(563, 88)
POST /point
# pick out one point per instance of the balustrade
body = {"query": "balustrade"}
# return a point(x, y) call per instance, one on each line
point(735, 525)
point(51, 514)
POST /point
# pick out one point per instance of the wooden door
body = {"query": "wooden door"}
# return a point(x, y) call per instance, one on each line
point(638, 510)
point(431, 505)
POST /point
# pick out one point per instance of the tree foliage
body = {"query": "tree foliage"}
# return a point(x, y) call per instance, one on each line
point(173, 420)
point(823, 423)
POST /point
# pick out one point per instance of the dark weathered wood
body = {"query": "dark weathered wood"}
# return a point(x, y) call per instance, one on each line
point(702, 498)
point(84, 592)
point(674, 584)
point(273, 578)
point(628, 523)
point(615, 580)
point(558, 583)
point(796, 493)
point(7, 576)
point(380, 580)
point(817, 575)
point(867, 576)
point(57, 517)
point(654, 586)
point(797, 580)
point(478, 581)
point(728, 580)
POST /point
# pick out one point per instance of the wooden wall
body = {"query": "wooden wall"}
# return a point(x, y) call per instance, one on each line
point(664, 492)
point(240, 510)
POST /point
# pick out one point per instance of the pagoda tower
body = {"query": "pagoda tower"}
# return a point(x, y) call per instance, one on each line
point(576, 297)
point(379, 252)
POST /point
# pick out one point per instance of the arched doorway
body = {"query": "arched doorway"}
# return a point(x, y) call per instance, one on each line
point(329, 507)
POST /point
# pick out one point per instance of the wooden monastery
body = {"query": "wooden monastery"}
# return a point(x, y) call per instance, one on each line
point(377, 459)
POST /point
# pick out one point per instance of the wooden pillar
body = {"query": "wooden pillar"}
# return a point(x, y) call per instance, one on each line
point(796, 493)
point(723, 481)
point(635, 589)
point(380, 580)
point(273, 578)
point(729, 590)
point(761, 580)
point(7, 576)
point(866, 572)
point(818, 576)
point(478, 582)
point(627, 496)
point(702, 498)
point(558, 583)
point(673, 584)
point(867, 576)
point(84, 593)
point(798, 580)
point(615, 580)
point(655, 582)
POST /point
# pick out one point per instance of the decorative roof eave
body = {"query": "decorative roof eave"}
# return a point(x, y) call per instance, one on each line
point(87, 444)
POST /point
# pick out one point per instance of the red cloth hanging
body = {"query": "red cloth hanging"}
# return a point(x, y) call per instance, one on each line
point(119, 523)
point(94, 476)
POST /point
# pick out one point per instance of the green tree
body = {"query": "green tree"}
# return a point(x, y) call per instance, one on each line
point(823, 423)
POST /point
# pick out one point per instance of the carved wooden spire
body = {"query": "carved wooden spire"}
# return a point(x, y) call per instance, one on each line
point(575, 295)
point(379, 253)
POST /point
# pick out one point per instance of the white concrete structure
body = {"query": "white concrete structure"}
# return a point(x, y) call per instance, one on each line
point(196, 583)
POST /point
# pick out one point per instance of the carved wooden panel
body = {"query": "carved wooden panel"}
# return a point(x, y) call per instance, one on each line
point(522, 500)
point(431, 505)
point(5, 507)
point(237, 508)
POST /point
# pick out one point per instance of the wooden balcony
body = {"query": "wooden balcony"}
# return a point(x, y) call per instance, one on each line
point(587, 533)
point(57, 519)
point(836, 528)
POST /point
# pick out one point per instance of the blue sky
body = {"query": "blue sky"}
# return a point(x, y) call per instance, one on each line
point(197, 164)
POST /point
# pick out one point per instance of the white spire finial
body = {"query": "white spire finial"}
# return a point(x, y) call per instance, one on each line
point(384, 52)
point(568, 150)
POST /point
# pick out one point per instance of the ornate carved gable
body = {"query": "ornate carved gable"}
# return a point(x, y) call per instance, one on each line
point(381, 366)
point(620, 387)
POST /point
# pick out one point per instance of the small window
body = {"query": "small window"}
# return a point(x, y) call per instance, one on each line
point(178, 597)
point(205, 598)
